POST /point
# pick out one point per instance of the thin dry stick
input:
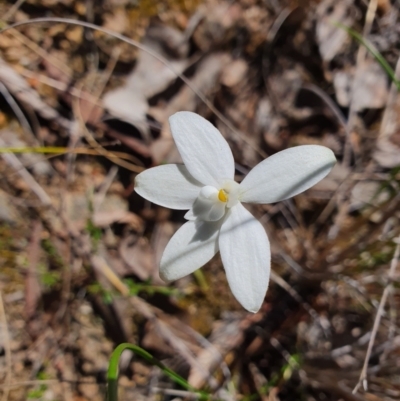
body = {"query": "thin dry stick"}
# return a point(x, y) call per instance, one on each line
point(7, 347)
point(41, 52)
point(13, 10)
point(33, 383)
point(295, 295)
point(154, 54)
point(13, 161)
point(16, 109)
point(59, 85)
point(75, 139)
point(363, 376)
point(94, 144)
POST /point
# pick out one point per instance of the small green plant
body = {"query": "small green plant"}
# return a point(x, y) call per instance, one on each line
point(38, 392)
point(94, 232)
point(146, 287)
point(52, 253)
point(134, 289)
point(49, 278)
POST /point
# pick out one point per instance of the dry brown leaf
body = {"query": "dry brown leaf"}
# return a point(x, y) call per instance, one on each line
point(387, 154)
point(138, 255)
point(370, 90)
point(332, 39)
point(226, 337)
point(151, 76)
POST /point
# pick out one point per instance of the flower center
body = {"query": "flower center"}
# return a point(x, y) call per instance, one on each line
point(212, 203)
point(222, 196)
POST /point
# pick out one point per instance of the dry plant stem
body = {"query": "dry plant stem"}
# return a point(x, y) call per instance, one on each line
point(61, 86)
point(13, 10)
point(75, 139)
point(40, 52)
point(182, 394)
point(94, 144)
point(388, 289)
point(307, 307)
point(7, 347)
point(31, 383)
point(132, 42)
point(112, 62)
point(105, 186)
point(330, 103)
point(12, 160)
point(361, 54)
point(16, 109)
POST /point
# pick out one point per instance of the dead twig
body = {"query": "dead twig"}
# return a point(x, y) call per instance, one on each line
point(13, 161)
point(393, 264)
point(16, 109)
point(13, 10)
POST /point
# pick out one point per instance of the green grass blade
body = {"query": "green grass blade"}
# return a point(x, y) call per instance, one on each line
point(112, 373)
point(371, 48)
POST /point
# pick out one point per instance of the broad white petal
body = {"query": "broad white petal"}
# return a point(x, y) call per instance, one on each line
point(170, 186)
point(246, 256)
point(204, 150)
point(286, 174)
point(191, 247)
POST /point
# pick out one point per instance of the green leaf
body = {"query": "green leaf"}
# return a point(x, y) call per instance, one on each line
point(371, 48)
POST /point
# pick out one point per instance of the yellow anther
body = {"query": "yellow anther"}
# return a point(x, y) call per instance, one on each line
point(222, 196)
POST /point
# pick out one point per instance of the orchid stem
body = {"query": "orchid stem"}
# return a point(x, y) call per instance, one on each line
point(201, 280)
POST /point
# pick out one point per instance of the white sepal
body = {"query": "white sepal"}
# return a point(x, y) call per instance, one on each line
point(246, 256)
point(170, 186)
point(191, 247)
point(204, 150)
point(286, 174)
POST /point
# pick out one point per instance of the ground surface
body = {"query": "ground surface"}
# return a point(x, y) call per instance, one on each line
point(79, 249)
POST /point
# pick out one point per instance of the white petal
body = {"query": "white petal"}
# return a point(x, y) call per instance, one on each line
point(170, 186)
point(191, 247)
point(246, 256)
point(190, 215)
point(287, 174)
point(204, 150)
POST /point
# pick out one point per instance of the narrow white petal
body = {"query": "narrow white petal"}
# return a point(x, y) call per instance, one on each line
point(246, 256)
point(204, 150)
point(170, 186)
point(191, 247)
point(190, 215)
point(287, 174)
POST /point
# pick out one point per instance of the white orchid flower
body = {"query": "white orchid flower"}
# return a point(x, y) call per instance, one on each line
point(217, 219)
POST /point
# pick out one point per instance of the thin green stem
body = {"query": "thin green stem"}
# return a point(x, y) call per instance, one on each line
point(201, 279)
point(112, 373)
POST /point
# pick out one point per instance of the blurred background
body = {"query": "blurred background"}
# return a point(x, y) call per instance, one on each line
point(82, 112)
